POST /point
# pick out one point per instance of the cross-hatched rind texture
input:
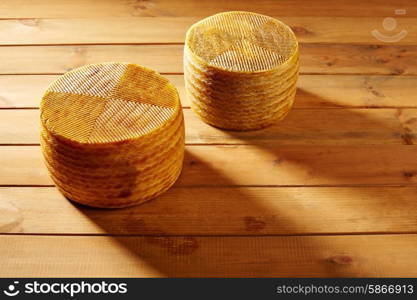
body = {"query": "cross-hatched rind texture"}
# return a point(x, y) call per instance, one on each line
point(108, 102)
point(115, 143)
point(240, 70)
point(242, 42)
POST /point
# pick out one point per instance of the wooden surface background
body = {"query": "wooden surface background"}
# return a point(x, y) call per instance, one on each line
point(330, 191)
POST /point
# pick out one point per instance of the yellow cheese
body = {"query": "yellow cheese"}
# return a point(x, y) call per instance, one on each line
point(241, 70)
point(112, 134)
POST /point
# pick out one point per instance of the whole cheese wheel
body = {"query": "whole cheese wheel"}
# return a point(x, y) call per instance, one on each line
point(241, 70)
point(112, 134)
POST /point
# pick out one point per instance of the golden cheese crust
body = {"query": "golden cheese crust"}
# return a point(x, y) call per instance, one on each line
point(241, 70)
point(242, 42)
point(108, 102)
point(112, 134)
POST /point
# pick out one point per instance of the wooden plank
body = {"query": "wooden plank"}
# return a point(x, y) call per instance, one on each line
point(300, 127)
point(20, 119)
point(314, 91)
point(59, 59)
point(23, 90)
point(358, 59)
point(94, 31)
point(307, 127)
point(218, 211)
point(148, 30)
point(315, 58)
point(261, 165)
point(409, 125)
point(201, 8)
point(358, 91)
point(293, 256)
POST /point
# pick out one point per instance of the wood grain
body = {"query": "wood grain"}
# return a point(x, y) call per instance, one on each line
point(147, 30)
point(308, 127)
point(59, 59)
point(261, 165)
point(358, 91)
point(200, 8)
point(358, 59)
point(300, 127)
point(299, 256)
point(329, 192)
point(315, 58)
point(314, 91)
point(218, 211)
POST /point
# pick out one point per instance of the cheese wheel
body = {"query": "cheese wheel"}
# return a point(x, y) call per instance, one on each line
point(112, 134)
point(240, 70)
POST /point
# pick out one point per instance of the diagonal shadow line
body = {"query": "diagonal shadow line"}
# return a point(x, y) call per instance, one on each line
point(328, 139)
point(191, 256)
point(187, 255)
point(310, 126)
point(407, 172)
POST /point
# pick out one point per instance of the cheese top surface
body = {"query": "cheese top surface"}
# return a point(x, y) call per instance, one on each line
point(108, 102)
point(241, 42)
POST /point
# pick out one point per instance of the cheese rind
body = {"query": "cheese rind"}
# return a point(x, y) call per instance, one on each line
point(112, 134)
point(240, 70)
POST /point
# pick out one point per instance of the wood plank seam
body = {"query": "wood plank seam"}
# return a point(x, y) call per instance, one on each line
point(368, 191)
point(302, 126)
point(345, 59)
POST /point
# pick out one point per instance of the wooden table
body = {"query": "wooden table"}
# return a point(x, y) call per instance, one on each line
point(330, 191)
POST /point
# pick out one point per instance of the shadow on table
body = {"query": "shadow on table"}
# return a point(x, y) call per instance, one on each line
point(324, 122)
point(182, 232)
point(179, 247)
